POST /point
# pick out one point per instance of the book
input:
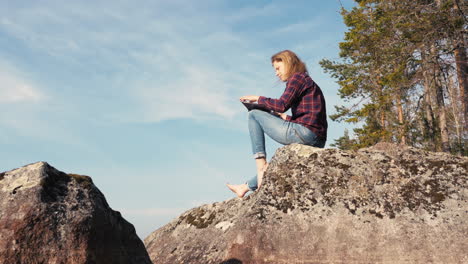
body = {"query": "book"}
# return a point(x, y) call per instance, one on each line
point(253, 105)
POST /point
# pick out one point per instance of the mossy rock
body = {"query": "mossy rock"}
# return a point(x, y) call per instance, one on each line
point(83, 180)
point(197, 218)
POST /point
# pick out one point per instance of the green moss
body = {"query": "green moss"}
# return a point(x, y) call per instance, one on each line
point(196, 218)
point(429, 195)
point(82, 180)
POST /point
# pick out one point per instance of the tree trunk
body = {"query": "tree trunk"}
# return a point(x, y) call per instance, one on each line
point(383, 124)
point(462, 73)
point(428, 106)
point(439, 89)
point(457, 116)
point(401, 121)
point(442, 113)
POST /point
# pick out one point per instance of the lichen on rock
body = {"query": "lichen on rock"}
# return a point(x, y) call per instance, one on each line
point(382, 204)
point(48, 216)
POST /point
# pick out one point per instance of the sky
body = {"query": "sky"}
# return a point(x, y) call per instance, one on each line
point(143, 96)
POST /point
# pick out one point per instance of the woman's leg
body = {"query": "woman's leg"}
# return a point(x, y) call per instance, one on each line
point(261, 168)
point(306, 136)
point(242, 189)
point(261, 123)
point(257, 136)
point(282, 131)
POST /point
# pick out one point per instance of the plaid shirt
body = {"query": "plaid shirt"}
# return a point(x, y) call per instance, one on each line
point(306, 101)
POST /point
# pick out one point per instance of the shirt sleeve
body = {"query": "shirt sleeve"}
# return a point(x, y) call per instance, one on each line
point(291, 93)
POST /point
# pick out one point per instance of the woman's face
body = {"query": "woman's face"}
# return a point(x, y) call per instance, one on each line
point(280, 70)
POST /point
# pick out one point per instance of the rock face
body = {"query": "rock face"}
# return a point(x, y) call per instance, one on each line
point(386, 204)
point(47, 216)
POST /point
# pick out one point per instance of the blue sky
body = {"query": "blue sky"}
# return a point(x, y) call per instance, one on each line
point(143, 96)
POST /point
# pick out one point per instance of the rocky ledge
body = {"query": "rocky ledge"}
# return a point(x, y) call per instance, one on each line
point(50, 217)
point(385, 204)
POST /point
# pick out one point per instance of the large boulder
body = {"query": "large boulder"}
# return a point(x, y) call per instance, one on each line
point(386, 204)
point(47, 216)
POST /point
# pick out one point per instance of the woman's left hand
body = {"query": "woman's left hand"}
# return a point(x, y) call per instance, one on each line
point(283, 115)
point(250, 98)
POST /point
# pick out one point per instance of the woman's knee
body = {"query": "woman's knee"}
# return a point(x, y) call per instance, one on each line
point(256, 115)
point(255, 112)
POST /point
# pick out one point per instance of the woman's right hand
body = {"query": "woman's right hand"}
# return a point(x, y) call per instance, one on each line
point(250, 98)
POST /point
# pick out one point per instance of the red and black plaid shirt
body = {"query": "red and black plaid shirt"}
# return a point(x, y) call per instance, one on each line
point(306, 101)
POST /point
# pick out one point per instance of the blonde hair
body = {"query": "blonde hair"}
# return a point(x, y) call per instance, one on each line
point(291, 62)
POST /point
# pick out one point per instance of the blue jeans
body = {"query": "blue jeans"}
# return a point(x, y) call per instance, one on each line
point(282, 131)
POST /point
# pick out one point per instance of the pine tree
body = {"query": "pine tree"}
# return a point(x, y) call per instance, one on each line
point(397, 70)
point(345, 142)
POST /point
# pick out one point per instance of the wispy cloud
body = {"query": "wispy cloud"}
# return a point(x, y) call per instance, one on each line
point(179, 66)
point(251, 12)
point(301, 27)
point(197, 93)
point(162, 60)
point(15, 88)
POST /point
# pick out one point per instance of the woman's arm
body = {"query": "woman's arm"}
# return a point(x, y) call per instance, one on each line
point(291, 93)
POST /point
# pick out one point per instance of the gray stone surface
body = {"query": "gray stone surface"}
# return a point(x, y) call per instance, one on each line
point(49, 217)
point(385, 204)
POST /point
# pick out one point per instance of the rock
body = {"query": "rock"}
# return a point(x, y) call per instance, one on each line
point(47, 216)
point(385, 204)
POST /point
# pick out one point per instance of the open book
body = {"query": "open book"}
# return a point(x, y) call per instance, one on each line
point(253, 105)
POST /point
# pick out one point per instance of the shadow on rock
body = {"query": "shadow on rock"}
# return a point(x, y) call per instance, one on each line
point(231, 261)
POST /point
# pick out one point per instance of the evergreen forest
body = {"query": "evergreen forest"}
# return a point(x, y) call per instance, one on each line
point(402, 74)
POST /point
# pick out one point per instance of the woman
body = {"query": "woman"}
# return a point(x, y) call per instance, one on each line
point(307, 125)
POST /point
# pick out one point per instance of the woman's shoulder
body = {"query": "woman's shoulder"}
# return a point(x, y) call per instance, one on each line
point(299, 75)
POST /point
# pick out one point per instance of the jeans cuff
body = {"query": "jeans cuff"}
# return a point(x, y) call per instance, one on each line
point(259, 155)
point(252, 183)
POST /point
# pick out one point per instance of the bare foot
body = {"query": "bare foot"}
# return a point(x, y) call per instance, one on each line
point(240, 189)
